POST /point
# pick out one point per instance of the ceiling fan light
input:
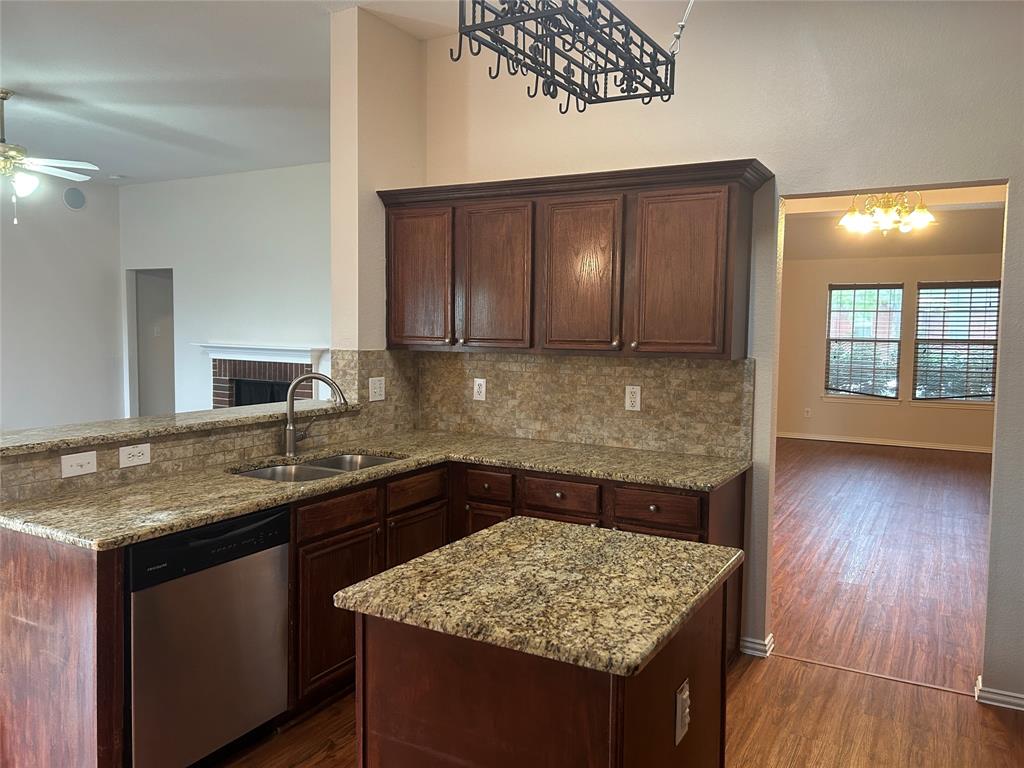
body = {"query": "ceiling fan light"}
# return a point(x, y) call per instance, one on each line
point(24, 183)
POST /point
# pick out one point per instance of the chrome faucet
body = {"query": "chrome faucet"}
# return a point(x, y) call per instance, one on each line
point(291, 437)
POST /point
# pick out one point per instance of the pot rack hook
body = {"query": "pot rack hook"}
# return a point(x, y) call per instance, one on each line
point(452, 54)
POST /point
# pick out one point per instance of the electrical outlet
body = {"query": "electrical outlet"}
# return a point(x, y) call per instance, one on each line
point(479, 389)
point(807, 413)
point(682, 710)
point(133, 455)
point(632, 398)
point(376, 388)
point(75, 464)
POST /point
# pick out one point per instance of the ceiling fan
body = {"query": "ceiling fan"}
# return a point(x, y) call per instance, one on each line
point(20, 169)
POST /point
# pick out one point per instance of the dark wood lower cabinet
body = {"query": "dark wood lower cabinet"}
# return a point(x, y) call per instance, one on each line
point(481, 516)
point(326, 651)
point(416, 532)
point(544, 514)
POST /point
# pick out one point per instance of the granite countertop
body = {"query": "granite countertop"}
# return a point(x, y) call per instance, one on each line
point(596, 598)
point(66, 436)
point(115, 517)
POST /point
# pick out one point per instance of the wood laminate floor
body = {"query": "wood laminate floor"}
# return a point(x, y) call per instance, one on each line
point(880, 559)
point(782, 713)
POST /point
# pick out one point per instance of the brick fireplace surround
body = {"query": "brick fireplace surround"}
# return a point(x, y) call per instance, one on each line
point(226, 371)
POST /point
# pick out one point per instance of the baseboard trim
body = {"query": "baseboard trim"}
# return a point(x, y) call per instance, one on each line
point(886, 441)
point(756, 646)
point(997, 698)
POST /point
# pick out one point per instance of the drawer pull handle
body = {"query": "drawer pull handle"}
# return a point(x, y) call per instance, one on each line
point(652, 508)
point(487, 486)
point(559, 495)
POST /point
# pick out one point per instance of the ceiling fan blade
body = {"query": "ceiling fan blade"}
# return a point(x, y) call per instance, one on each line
point(70, 175)
point(64, 163)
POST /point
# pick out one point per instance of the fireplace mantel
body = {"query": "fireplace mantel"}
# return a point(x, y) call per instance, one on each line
point(265, 353)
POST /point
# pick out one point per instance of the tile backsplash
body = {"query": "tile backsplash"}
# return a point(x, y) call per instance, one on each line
point(692, 406)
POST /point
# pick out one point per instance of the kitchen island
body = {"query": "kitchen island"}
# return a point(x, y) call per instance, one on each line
point(541, 643)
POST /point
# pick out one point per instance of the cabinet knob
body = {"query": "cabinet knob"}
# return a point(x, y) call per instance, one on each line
point(634, 345)
point(447, 339)
point(593, 525)
point(462, 341)
point(391, 523)
point(467, 507)
point(652, 508)
point(615, 527)
point(487, 486)
point(616, 343)
point(559, 495)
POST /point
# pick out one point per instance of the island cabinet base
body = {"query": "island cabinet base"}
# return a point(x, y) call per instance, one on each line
point(430, 700)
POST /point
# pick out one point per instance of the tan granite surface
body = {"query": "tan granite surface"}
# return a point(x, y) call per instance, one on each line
point(66, 436)
point(596, 598)
point(113, 517)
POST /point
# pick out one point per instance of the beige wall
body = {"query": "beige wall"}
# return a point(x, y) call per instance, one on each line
point(966, 426)
point(784, 82)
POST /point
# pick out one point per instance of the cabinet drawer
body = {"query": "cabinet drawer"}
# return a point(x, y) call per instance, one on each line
point(332, 515)
point(542, 514)
point(561, 495)
point(417, 489)
point(658, 509)
point(681, 535)
point(488, 486)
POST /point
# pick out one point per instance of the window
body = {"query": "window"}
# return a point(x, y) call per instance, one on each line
point(955, 346)
point(864, 340)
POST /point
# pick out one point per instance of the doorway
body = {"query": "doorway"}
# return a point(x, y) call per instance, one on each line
point(151, 341)
point(887, 355)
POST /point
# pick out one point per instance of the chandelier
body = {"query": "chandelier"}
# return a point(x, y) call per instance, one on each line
point(587, 50)
point(885, 212)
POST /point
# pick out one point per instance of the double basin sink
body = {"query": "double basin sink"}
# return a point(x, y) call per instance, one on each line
point(318, 469)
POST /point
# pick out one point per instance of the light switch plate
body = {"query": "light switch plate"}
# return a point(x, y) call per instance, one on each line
point(632, 398)
point(133, 455)
point(479, 389)
point(75, 464)
point(682, 710)
point(376, 388)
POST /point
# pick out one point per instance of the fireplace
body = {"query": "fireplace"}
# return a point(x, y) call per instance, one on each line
point(252, 382)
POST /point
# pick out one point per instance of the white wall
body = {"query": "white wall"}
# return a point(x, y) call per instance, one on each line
point(377, 142)
point(60, 341)
point(251, 260)
point(790, 83)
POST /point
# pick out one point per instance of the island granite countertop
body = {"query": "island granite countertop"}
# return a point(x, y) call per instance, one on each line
point(109, 518)
point(596, 598)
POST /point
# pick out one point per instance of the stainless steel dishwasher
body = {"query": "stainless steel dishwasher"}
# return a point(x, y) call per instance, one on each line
point(209, 637)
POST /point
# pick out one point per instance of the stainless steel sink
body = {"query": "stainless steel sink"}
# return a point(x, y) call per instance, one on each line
point(290, 473)
point(350, 462)
point(318, 469)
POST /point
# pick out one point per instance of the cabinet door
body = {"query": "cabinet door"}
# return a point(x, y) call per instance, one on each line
point(417, 532)
point(678, 290)
point(580, 255)
point(485, 515)
point(420, 289)
point(493, 273)
point(327, 642)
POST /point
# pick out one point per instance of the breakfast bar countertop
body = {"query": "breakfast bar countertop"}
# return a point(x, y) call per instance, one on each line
point(109, 518)
point(597, 598)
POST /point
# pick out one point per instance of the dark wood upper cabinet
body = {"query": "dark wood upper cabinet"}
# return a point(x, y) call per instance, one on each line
point(678, 279)
point(326, 636)
point(419, 263)
point(493, 273)
point(640, 262)
point(579, 250)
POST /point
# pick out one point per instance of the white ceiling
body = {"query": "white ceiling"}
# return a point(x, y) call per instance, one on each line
point(160, 90)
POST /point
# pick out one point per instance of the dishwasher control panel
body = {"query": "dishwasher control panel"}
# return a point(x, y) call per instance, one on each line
point(179, 554)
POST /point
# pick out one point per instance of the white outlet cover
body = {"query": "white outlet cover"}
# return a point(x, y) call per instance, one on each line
point(632, 398)
point(75, 464)
point(133, 455)
point(479, 389)
point(376, 388)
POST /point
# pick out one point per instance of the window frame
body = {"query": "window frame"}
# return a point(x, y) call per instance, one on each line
point(994, 343)
point(828, 392)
